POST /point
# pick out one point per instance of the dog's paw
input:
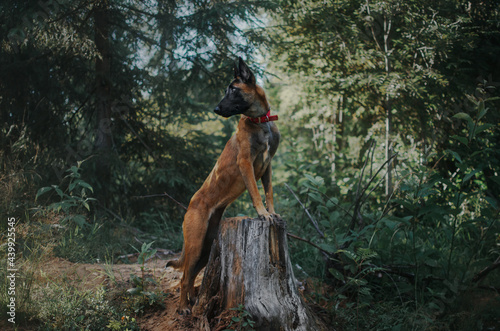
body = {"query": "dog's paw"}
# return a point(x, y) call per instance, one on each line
point(172, 263)
point(266, 216)
point(276, 216)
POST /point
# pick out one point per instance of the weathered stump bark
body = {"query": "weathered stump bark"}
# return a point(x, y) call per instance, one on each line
point(249, 264)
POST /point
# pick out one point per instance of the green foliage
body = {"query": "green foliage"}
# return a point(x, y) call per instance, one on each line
point(18, 177)
point(74, 201)
point(346, 68)
point(145, 297)
point(243, 321)
point(80, 239)
point(73, 309)
point(426, 246)
point(125, 323)
point(159, 221)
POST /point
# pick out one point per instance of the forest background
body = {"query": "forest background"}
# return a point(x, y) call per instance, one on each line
point(388, 166)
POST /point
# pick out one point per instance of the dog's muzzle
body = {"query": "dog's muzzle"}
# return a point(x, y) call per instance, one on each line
point(222, 113)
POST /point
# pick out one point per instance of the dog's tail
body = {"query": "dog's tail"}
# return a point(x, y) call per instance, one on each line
point(176, 264)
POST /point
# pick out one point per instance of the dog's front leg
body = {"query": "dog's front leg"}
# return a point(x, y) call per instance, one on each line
point(245, 164)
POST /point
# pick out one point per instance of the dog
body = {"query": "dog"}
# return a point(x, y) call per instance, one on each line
point(245, 159)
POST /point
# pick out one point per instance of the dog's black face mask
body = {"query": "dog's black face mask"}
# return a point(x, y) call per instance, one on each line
point(239, 94)
point(233, 103)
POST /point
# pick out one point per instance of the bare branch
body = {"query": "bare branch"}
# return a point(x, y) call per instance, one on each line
point(310, 243)
point(483, 273)
point(161, 195)
point(313, 221)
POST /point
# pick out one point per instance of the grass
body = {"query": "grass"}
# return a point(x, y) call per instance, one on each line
point(50, 299)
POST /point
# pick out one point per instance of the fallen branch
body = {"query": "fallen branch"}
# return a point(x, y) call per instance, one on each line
point(309, 242)
point(161, 195)
point(112, 213)
point(483, 273)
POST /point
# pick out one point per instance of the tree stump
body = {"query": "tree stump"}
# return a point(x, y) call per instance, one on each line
point(249, 265)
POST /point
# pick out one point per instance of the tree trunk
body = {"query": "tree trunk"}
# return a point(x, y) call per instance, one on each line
point(103, 142)
point(103, 77)
point(249, 265)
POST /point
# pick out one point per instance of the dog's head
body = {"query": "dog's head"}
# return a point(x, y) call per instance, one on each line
point(243, 95)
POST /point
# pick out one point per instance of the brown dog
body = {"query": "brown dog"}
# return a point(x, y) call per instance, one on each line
point(245, 159)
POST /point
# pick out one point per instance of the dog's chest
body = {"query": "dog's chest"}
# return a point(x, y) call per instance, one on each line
point(264, 144)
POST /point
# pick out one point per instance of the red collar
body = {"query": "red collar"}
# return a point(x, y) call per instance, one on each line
point(266, 118)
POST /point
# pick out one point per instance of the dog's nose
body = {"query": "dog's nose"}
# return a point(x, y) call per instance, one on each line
point(217, 110)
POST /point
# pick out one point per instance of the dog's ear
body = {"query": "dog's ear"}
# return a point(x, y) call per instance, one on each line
point(245, 73)
point(236, 71)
